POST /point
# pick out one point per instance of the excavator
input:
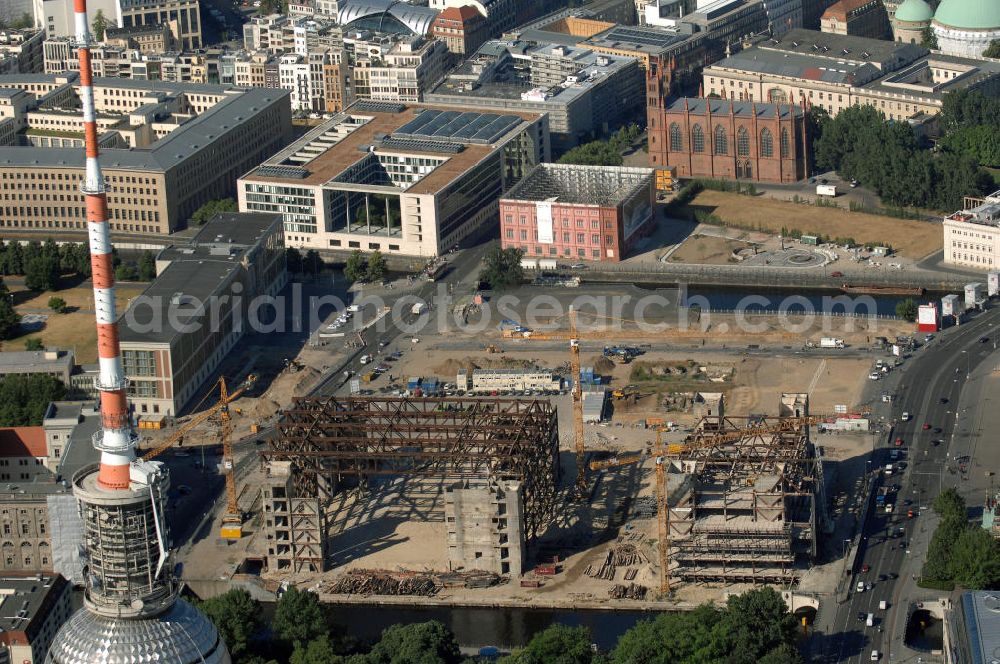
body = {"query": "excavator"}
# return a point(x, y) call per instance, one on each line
point(232, 520)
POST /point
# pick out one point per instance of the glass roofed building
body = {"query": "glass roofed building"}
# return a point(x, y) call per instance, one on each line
point(389, 16)
point(402, 179)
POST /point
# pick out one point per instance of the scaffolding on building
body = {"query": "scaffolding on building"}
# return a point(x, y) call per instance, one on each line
point(328, 440)
point(744, 510)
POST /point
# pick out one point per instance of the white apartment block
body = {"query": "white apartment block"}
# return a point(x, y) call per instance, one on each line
point(404, 71)
point(303, 76)
point(972, 235)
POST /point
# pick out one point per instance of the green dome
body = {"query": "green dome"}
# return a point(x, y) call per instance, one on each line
point(914, 11)
point(969, 14)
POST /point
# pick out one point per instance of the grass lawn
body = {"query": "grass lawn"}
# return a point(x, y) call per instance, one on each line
point(913, 239)
point(75, 330)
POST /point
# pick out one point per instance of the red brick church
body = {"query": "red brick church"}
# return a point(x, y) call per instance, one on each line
point(723, 138)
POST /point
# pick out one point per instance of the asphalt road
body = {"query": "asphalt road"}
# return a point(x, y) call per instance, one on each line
point(894, 545)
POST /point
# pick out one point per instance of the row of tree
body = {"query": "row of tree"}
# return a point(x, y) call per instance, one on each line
point(44, 264)
point(753, 628)
point(601, 152)
point(361, 267)
point(960, 553)
point(884, 156)
point(24, 398)
point(970, 121)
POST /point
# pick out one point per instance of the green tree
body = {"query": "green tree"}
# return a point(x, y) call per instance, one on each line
point(293, 260)
point(557, 644)
point(907, 310)
point(24, 398)
point(34, 343)
point(595, 153)
point(376, 266)
point(975, 560)
point(127, 271)
point(42, 274)
point(417, 643)
point(993, 50)
point(938, 562)
point(928, 39)
point(783, 654)
point(356, 268)
point(99, 25)
point(237, 617)
point(57, 304)
point(502, 267)
point(212, 208)
point(147, 266)
point(299, 617)
point(755, 623)
point(318, 651)
point(10, 321)
point(312, 262)
point(672, 638)
point(950, 505)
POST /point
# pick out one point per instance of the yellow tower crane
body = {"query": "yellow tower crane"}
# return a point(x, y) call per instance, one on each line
point(232, 520)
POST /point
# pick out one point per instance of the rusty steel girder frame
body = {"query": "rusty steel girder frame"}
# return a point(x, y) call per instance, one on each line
point(731, 467)
point(330, 438)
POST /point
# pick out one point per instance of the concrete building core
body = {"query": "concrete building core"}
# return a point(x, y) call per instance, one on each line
point(295, 527)
point(485, 531)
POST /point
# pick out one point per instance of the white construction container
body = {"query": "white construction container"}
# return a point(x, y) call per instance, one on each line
point(826, 190)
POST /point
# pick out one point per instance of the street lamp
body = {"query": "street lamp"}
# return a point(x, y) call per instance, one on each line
point(968, 364)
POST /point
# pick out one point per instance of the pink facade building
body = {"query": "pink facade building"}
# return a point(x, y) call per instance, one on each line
point(570, 212)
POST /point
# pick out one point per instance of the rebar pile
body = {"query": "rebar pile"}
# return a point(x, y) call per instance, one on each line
point(644, 507)
point(624, 555)
point(606, 571)
point(382, 584)
point(631, 591)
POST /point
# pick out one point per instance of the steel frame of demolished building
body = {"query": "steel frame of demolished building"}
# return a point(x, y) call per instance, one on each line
point(746, 510)
point(332, 438)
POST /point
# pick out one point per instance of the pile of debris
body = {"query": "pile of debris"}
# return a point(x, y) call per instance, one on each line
point(644, 507)
point(378, 582)
point(631, 591)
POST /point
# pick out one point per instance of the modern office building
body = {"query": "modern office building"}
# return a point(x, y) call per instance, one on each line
point(168, 148)
point(33, 609)
point(584, 93)
point(403, 179)
point(402, 69)
point(717, 138)
point(578, 212)
point(972, 235)
point(186, 14)
point(838, 71)
point(175, 335)
point(861, 18)
point(386, 16)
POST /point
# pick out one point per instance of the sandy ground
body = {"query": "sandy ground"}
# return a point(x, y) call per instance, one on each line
point(75, 329)
point(708, 250)
point(399, 528)
point(914, 239)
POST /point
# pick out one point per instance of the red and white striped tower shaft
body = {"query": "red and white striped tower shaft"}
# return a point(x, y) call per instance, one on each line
point(115, 440)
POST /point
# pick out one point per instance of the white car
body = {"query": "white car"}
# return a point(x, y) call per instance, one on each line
point(874, 375)
point(875, 655)
point(905, 417)
point(861, 586)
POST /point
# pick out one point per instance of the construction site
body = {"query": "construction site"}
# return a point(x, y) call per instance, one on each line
point(695, 474)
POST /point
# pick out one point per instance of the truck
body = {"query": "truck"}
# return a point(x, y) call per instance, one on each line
point(826, 190)
point(881, 496)
point(830, 342)
point(418, 308)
